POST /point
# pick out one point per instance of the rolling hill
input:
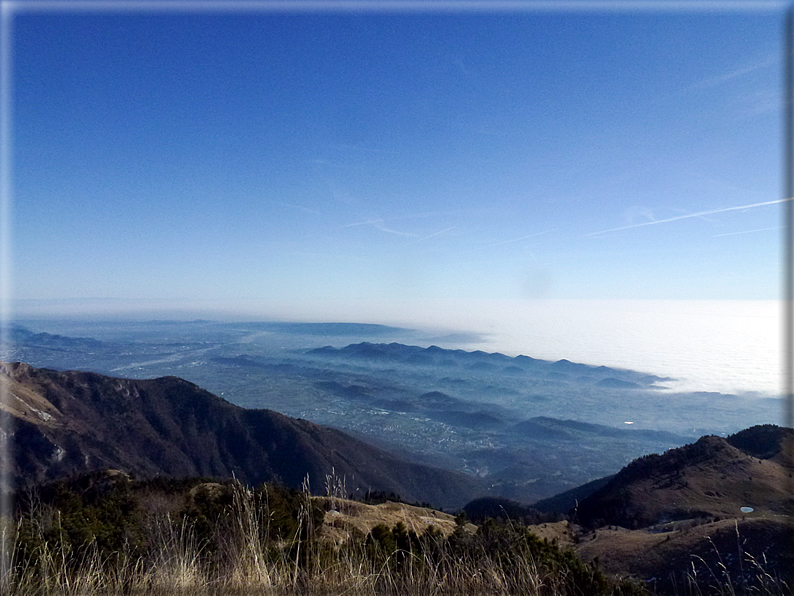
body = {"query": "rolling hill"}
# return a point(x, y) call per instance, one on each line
point(712, 478)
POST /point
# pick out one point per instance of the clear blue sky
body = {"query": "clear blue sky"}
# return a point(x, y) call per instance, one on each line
point(388, 156)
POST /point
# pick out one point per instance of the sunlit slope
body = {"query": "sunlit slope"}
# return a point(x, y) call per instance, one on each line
point(712, 478)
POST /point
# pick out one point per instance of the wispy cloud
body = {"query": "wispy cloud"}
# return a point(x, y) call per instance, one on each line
point(761, 102)
point(688, 216)
point(511, 241)
point(749, 103)
point(301, 208)
point(716, 81)
point(381, 227)
point(369, 222)
point(520, 239)
point(747, 231)
point(378, 224)
point(432, 235)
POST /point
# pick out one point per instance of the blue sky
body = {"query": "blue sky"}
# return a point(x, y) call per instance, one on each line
point(381, 156)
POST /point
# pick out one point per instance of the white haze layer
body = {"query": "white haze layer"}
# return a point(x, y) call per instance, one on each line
point(728, 346)
point(724, 346)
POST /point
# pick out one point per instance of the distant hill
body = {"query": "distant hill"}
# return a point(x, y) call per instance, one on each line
point(713, 515)
point(330, 329)
point(765, 441)
point(568, 501)
point(479, 510)
point(70, 422)
point(563, 370)
point(712, 478)
point(709, 515)
point(553, 428)
point(17, 334)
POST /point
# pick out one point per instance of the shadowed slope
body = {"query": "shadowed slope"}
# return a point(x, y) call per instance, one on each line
point(73, 422)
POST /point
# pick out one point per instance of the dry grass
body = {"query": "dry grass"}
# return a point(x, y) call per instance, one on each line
point(250, 561)
point(561, 533)
point(345, 519)
point(723, 557)
point(339, 556)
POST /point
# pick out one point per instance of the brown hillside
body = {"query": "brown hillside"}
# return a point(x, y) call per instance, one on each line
point(68, 423)
point(708, 479)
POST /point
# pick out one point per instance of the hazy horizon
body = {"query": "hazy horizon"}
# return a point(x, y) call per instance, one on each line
point(729, 346)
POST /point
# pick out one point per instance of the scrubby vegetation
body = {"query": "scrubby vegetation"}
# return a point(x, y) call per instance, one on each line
point(107, 534)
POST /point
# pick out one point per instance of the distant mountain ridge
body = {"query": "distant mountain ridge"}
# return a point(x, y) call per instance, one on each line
point(544, 426)
point(69, 422)
point(435, 356)
point(329, 329)
point(23, 335)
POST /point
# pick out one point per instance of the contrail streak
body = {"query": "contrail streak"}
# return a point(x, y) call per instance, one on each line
point(361, 223)
point(431, 235)
point(747, 231)
point(690, 215)
point(378, 224)
point(518, 239)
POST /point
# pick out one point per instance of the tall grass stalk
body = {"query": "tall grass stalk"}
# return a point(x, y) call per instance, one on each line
point(752, 576)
